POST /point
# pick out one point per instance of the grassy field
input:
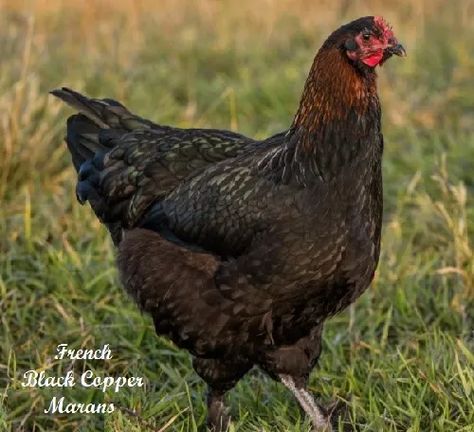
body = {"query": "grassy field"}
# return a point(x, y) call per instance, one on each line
point(402, 357)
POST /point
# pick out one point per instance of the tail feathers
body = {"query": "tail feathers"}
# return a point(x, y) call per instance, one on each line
point(91, 134)
point(88, 144)
point(100, 122)
point(105, 113)
point(82, 139)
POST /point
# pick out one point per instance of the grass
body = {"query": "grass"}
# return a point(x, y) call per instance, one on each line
point(402, 357)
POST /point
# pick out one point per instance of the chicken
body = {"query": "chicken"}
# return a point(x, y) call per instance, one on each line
point(241, 249)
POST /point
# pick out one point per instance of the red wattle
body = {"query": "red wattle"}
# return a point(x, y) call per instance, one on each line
point(374, 59)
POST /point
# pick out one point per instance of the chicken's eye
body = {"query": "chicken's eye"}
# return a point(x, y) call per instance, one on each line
point(366, 36)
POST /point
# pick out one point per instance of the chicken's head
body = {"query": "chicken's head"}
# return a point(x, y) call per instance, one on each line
point(370, 41)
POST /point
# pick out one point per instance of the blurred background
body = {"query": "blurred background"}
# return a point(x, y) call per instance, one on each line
point(401, 358)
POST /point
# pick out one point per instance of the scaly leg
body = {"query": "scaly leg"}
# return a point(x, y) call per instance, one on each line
point(305, 399)
point(220, 375)
point(218, 419)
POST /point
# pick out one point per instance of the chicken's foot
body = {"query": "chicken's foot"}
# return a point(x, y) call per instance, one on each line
point(305, 399)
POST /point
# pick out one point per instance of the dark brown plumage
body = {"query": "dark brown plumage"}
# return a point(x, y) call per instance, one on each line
point(241, 249)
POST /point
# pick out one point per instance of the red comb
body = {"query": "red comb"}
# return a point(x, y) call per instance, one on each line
point(384, 26)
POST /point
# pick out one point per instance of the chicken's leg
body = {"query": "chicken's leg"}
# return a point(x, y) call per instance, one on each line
point(313, 411)
point(218, 419)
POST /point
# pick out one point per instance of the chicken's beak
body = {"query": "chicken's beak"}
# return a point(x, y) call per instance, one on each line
point(397, 49)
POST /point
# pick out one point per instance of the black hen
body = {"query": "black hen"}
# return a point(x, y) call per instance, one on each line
point(241, 249)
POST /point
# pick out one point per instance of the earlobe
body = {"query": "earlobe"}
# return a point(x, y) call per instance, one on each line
point(350, 45)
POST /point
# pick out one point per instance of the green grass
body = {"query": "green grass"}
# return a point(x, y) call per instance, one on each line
point(402, 357)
